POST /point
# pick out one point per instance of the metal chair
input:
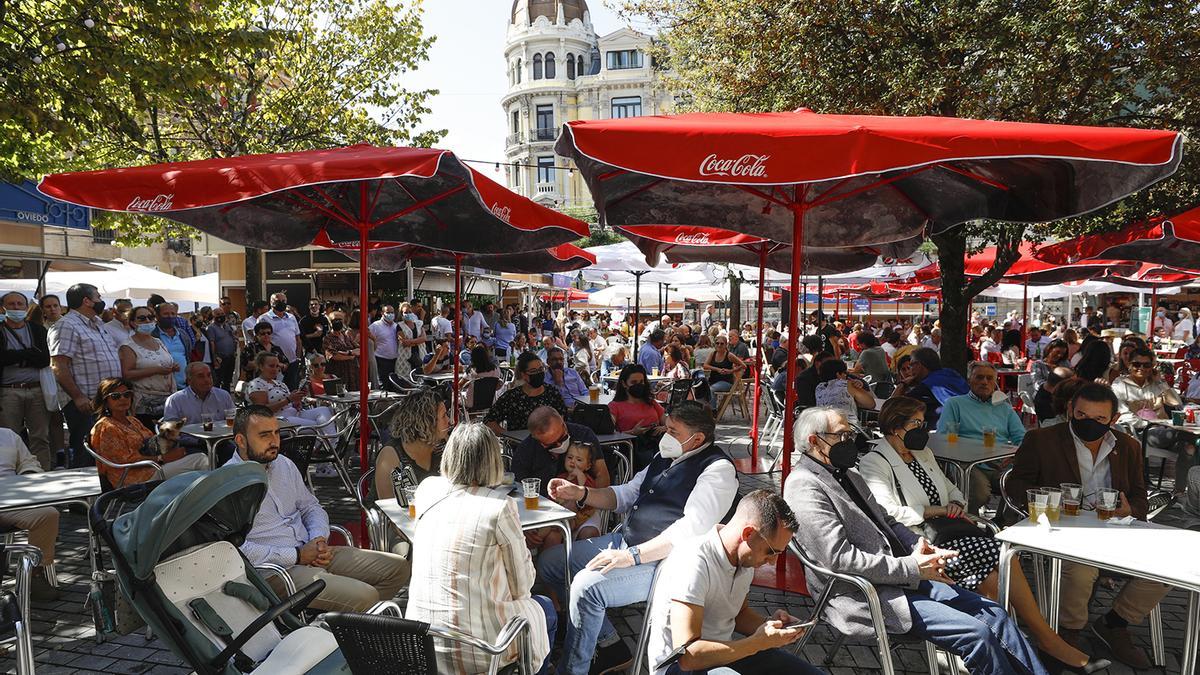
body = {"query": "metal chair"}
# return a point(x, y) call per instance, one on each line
point(379, 644)
point(14, 605)
point(736, 394)
point(876, 608)
point(643, 644)
point(483, 393)
point(123, 468)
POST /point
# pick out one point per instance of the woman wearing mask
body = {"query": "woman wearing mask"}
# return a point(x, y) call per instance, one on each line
point(905, 479)
point(635, 412)
point(341, 352)
point(147, 364)
point(1184, 327)
point(528, 391)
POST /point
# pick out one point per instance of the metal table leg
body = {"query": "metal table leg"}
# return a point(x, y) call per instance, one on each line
point(565, 526)
point(1188, 659)
point(1002, 578)
point(1055, 590)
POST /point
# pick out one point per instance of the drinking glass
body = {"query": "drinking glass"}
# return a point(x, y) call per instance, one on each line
point(229, 417)
point(1038, 499)
point(951, 432)
point(207, 421)
point(1106, 503)
point(594, 393)
point(530, 488)
point(1053, 503)
point(1072, 495)
point(989, 437)
point(410, 495)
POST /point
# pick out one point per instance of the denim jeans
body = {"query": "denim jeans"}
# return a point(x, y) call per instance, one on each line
point(716, 388)
point(79, 424)
point(774, 661)
point(551, 626)
point(591, 594)
point(973, 627)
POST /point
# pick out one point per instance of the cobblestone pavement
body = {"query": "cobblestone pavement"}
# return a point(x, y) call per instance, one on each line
point(64, 637)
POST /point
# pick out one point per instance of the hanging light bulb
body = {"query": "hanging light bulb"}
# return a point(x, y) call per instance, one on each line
point(60, 44)
point(88, 23)
point(37, 58)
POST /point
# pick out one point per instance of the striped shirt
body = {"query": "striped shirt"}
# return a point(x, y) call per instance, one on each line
point(289, 517)
point(92, 353)
point(472, 571)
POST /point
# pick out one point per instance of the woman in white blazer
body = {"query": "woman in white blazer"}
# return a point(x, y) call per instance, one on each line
point(904, 477)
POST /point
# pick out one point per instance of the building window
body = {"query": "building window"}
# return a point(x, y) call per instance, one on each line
point(102, 235)
point(518, 71)
point(537, 66)
point(516, 122)
point(545, 171)
point(550, 74)
point(629, 106)
point(545, 123)
point(624, 59)
point(579, 65)
point(570, 67)
point(516, 175)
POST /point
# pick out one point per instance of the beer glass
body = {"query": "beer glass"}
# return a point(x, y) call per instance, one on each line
point(1072, 494)
point(1038, 499)
point(1053, 503)
point(529, 488)
point(1106, 503)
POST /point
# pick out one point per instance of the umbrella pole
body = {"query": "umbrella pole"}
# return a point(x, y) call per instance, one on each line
point(804, 300)
point(364, 371)
point(758, 359)
point(1024, 315)
point(637, 309)
point(457, 332)
point(798, 208)
point(1153, 312)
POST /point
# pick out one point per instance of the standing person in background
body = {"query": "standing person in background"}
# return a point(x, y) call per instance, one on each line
point(1161, 324)
point(24, 352)
point(472, 321)
point(83, 355)
point(286, 337)
point(442, 326)
point(118, 328)
point(175, 340)
point(181, 323)
point(710, 315)
point(342, 352)
point(149, 367)
point(257, 310)
point(223, 343)
point(45, 313)
point(232, 317)
point(313, 328)
point(504, 332)
point(386, 347)
point(1185, 327)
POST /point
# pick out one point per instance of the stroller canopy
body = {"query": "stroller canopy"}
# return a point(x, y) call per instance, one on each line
point(188, 510)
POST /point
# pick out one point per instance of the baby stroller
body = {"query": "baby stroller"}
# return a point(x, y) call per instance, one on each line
point(175, 545)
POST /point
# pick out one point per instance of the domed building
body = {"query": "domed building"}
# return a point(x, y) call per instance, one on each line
point(560, 70)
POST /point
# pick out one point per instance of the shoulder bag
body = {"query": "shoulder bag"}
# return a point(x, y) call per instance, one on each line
point(941, 529)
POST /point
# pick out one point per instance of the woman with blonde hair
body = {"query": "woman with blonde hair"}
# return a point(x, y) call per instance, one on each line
point(472, 571)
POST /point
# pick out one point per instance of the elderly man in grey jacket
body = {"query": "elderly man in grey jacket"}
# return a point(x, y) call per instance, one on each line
point(845, 530)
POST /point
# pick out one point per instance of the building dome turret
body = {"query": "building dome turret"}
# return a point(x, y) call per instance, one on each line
point(527, 11)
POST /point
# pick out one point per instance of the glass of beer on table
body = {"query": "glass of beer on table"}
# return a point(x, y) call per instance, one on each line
point(1038, 499)
point(229, 417)
point(1072, 495)
point(989, 437)
point(1106, 503)
point(410, 496)
point(1053, 503)
point(951, 432)
point(594, 393)
point(530, 488)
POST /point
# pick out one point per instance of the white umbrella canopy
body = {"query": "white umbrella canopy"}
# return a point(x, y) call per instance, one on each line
point(623, 294)
point(131, 280)
point(616, 263)
point(1017, 291)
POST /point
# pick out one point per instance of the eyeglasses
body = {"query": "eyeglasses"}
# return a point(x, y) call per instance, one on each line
point(919, 424)
point(840, 435)
point(119, 394)
point(769, 547)
point(143, 318)
point(1140, 364)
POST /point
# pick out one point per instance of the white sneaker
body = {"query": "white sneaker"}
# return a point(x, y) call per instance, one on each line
point(325, 471)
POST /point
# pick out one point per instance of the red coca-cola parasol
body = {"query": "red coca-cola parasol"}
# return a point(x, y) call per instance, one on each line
point(1172, 241)
point(564, 258)
point(841, 180)
point(346, 196)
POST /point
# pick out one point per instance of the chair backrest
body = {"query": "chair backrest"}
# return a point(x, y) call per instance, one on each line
point(375, 644)
point(1008, 502)
point(105, 484)
point(300, 448)
point(679, 393)
point(483, 393)
point(595, 416)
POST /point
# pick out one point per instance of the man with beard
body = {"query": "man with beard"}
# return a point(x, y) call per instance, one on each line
point(292, 530)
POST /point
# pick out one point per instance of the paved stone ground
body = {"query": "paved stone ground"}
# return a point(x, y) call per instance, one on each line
point(64, 637)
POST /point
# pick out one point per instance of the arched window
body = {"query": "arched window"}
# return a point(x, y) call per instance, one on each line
point(537, 66)
point(570, 67)
point(579, 66)
point(518, 71)
point(550, 74)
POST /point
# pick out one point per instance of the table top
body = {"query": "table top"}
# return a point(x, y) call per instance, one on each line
point(1190, 428)
point(613, 377)
point(48, 487)
point(221, 432)
point(968, 449)
point(1169, 553)
point(441, 377)
point(606, 397)
point(519, 435)
point(547, 513)
point(353, 396)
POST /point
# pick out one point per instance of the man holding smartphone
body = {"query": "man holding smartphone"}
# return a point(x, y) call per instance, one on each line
point(700, 599)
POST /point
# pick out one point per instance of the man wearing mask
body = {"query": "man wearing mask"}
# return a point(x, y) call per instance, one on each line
point(566, 380)
point(687, 489)
point(286, 337)
point(313, 328)
point(847, 531)
point(223, 340)
point(178, 344)
point(541, 454)
point(384, 332)
point(24, 352)
point(292, 530)
point(1161, 324)
point(82, 355)
point(259, 308)
point(1088, 451)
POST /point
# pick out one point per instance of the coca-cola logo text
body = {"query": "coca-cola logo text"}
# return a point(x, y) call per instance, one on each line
point(746, 166)
point(699, 239)
point(156, 203)
point(502, 212)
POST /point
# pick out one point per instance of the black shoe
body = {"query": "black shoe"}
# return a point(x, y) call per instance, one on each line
point(612, 658)
point(1094, 665)
point(40, 589)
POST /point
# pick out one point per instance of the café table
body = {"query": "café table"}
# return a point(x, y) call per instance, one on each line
point(652, 379)
point(965, 454)
point(220, 432)
point(548, 514)
point(1144, 550)
point(445, 376)
point(617, 440)
point(352, 397)
point(606, 397)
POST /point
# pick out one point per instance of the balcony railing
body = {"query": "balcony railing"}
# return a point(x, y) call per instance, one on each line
point(545, 134)
point(546, 188)
point(515, 139)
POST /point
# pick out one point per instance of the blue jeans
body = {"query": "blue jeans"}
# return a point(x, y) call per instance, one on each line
point(717, 387)
point(591, 594)
point(774, 661)
point(973, 627)
point(551, 626)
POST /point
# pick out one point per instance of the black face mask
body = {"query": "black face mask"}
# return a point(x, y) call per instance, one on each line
point(1088, 430)
point(637, 390)
point(916, 439)
point(280, 306)
point(97, 306)
point(338, 324)
point(536, 379)
point(219, 319)
point(843, 455)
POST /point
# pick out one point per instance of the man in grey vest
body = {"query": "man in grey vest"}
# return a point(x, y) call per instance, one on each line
point(688, 488)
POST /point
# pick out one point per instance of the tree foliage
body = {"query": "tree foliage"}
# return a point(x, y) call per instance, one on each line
point(1123, 62)
point(175, 80)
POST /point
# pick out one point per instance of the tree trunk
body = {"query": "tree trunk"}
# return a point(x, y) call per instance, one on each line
point(956, 304)
point(735, 302)
point(254, 276)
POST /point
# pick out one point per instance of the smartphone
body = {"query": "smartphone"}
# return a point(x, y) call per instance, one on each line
point(802, 624)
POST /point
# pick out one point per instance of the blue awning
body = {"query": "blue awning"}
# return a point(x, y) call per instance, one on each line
point(22, 203)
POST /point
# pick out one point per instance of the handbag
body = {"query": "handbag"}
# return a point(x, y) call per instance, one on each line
point(941, 529)
point(49, 389)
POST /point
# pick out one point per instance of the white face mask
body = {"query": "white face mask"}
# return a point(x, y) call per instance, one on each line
point(670, 447)
point(561, 448)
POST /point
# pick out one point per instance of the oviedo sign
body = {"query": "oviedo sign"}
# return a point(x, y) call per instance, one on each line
point(22, 203)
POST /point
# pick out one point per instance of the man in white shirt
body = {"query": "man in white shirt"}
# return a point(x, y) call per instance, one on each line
point(119, 328)
point(441, 325)
point(1035, 346)
point(616, 569)
point(1161, 324)
point(472, 321)
point(384, 332)
point(287, 335)
point(700, 599)
point(41, 523)
point(991, 343)
point(256, 311)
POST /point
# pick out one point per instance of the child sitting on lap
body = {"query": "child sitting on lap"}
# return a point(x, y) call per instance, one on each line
point(578, 469)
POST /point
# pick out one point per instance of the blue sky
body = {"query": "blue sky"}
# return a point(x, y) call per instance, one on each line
point(467, 65)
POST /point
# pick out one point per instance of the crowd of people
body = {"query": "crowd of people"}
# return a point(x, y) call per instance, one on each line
point(126, 379)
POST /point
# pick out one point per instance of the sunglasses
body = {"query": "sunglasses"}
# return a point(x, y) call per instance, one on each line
point(1140, 364)
point(119, 394)
point(144, 318)
point(769, 547)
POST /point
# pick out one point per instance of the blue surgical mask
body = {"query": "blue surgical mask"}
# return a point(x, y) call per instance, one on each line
point(15, 315)
point(410, 317)
point(146, 328)
point(389, 316)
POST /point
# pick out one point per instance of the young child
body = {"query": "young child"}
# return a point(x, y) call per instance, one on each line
point(577, 465)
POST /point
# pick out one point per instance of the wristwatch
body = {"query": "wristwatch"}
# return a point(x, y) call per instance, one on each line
point(636, 553)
